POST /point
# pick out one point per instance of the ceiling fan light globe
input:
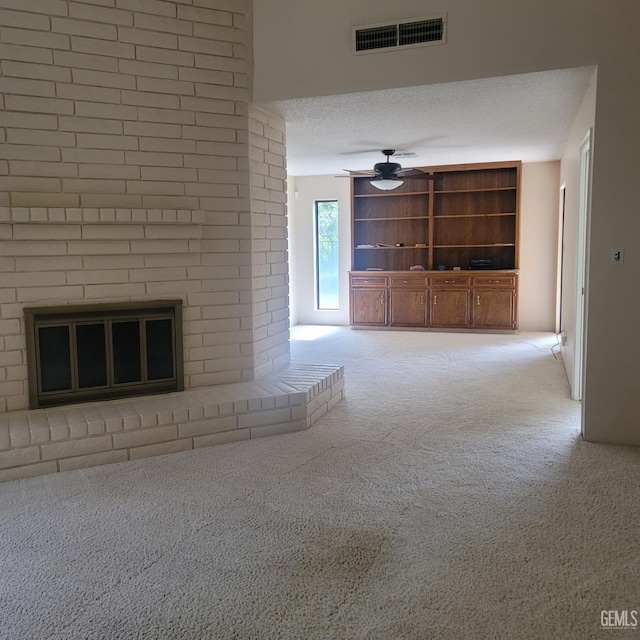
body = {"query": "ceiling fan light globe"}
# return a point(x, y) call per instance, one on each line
point(387, 184)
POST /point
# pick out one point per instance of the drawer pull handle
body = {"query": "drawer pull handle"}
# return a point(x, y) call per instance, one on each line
point(449, 281)
point(495, 281)
point(435, 299)
point(478, 300)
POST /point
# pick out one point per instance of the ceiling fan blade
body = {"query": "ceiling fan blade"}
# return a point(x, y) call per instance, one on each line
point(361, 173)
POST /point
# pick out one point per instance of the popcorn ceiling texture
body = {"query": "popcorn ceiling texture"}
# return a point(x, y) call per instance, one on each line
point(127, 173)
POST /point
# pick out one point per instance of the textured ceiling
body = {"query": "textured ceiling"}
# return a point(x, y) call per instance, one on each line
point(524, 117)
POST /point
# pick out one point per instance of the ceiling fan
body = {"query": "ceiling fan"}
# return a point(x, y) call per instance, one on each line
point(390, 175)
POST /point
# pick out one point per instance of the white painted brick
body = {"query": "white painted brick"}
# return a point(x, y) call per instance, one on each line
point(221, 63)
point(165, 56)
point(223, 107)
point(273, 416)
point(73, 448)
point(48, 7)
point(104, 79)
point(164, 144)
point(19, 433)
point(221, 438)
point(92, 460)
point(42, 138)
point(117, 172)
point(84, 28)
point(154, 7)
point(85, 61)
point(152, 435)
point(149, 38)
point(49, 294)
point(28, 471)
point(38, 105)
point(160, 449)
point(43, 154)
point(207, 426)
point(23, 20)
point(150, 69)
point(51, 169)
point(92, 94)
point(100, 14)
point(5, 440)
point(277, 429)
point(19, 457)
point(93, 156)
point(208, 16)
point(35, 71)
point(102, 47)
point(35, 38)
point(110, 200)
point(26, 54)
point(160, 85)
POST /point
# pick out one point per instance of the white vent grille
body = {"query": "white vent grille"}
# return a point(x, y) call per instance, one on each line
point(407, 33)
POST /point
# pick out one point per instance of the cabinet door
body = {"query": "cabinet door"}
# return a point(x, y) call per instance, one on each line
point(368, 306)
point(449, 308)
point(494, 309)
point(408, 308)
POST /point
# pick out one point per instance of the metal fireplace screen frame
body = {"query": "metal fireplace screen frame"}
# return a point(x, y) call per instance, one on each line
point(103, 351)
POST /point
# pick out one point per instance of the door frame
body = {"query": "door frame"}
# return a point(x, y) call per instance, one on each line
point(582, 260)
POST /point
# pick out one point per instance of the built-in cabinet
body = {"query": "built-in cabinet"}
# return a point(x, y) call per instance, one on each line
point(433, 301)
point(458, 228)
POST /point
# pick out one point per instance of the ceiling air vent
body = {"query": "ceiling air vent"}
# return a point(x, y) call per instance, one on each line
point(408, 33)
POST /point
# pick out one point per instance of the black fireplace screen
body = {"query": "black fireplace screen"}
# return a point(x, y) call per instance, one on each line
point(93, 352)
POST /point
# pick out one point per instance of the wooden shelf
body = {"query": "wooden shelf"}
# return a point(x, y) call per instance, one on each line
point(394, 219)
point(471, 215)
point(473, 246)
point(437, 192)
point(468, 212)
point(389, 194)
point(388, 248)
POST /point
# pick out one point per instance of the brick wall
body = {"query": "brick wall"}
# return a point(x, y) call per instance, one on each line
point(269, 240)
point(124, 175)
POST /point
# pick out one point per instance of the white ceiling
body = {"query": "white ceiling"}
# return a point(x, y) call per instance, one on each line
point(524, 117)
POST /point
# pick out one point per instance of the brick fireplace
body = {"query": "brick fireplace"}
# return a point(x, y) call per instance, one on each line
point(134, 167)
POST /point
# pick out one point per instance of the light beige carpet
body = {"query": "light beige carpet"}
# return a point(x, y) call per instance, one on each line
point(450, 496)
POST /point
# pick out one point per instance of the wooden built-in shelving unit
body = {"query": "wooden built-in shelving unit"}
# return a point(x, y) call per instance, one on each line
point(441, 222)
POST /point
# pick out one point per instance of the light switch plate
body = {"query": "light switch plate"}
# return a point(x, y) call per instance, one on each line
point(617, 256)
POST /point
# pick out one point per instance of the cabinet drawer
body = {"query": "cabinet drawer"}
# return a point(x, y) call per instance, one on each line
point(416, 282)
point(494, 281)
point(450, 281)
point(368, 281)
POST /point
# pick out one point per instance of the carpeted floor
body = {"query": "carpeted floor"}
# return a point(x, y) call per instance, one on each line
point(449, 496)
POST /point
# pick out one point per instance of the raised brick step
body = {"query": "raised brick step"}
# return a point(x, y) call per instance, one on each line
point(84, 435)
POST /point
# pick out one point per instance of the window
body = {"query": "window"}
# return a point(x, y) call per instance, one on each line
point(326, 228)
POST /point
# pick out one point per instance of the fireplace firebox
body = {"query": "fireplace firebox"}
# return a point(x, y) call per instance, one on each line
point(103, 351)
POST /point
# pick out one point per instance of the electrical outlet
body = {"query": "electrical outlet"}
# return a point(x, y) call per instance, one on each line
point(617, 256)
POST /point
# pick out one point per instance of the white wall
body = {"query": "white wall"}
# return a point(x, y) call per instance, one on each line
point(496, 38)
point(538, 245)
point(301, 208)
